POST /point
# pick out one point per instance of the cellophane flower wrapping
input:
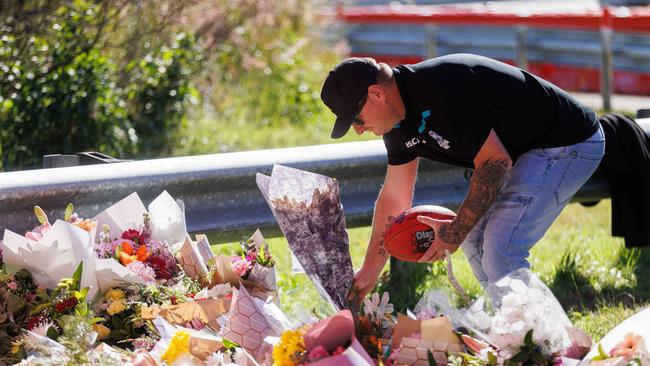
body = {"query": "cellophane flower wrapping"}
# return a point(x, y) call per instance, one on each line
point(308, 210)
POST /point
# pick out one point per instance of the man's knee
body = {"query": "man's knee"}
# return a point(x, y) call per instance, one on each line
point(498, 262)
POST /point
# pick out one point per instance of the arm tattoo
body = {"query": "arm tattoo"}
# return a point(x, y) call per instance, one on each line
point(382, 251)
point(484, 186)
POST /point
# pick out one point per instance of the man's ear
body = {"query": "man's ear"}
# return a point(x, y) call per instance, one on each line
point(377, 92)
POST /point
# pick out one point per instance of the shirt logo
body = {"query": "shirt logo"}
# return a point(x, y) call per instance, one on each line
point(414, 141)
point(425, 114)
point(439, 139)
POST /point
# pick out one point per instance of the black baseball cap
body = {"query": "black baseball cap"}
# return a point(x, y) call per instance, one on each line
point(345, 88)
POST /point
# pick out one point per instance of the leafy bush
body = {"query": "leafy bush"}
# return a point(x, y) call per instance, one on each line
point(60, 93)
point(159, 93)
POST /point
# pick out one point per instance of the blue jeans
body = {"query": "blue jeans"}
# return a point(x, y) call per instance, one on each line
point(539, 185)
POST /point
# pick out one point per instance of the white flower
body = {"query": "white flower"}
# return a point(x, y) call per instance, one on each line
point(217, 359)
point(42, 327)
point(240, 357)
point(376, 307)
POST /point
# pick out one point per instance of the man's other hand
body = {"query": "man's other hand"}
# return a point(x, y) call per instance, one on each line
point(436, 250)
point(364, 281)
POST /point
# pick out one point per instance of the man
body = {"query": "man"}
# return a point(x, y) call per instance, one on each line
point(532, 146)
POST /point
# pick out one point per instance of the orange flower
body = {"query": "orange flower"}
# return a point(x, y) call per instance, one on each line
point(629, 347)
point(86, 224)
point(129, 255)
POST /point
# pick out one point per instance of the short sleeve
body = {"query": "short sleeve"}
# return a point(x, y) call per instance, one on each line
point(396, 153)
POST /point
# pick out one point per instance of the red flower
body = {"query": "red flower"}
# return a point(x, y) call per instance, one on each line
point(66, 304)
point(160, 266)
point(34, 321)
point(135, 236)
point(190, 295)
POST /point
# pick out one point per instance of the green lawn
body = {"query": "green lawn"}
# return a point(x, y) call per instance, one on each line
point(593, 275)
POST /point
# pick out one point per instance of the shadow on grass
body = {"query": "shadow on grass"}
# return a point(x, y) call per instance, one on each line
point(575, 291)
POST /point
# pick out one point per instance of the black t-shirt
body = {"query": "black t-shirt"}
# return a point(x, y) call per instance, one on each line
point(452, 102)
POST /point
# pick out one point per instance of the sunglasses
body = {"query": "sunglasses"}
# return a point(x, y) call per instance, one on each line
point(357, 121)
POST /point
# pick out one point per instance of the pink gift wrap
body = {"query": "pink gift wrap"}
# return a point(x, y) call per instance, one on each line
point(336, 331)
point(414, 351)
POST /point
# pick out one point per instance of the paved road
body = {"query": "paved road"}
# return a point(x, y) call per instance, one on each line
point(628, 103)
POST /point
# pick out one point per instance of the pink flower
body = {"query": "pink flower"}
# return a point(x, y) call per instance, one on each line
point(143, 271)
point(338, 351)
point(30, 297)
point(240, 266)
point(13, 285)
point(37, 233)
point(629, 347)
point(197, 324)
point(317, 353)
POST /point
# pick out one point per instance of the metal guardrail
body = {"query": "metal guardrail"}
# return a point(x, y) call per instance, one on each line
point(219, 191)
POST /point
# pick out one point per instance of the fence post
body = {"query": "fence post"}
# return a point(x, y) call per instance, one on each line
point(432, 42)
point(606, 67)
point(522, 59)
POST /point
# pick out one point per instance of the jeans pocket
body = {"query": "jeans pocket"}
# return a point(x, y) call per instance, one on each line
point(512, 200)
point(553, 152)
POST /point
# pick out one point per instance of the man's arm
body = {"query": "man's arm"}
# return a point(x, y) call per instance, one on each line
point(491, 166)
point(395, 196)
point(491, 163)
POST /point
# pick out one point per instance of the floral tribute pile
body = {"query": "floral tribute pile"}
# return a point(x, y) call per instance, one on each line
point(130, 286)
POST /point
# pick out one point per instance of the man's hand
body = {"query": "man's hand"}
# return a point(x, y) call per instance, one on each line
point(364, 281)
point(437, 249)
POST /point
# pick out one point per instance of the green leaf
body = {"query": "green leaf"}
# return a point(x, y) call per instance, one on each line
point(492, 359)
point(520, 357)
point(69, 210)
point(601, 354)
point(539, 358)
point(40, 308)
point(52, 333)
point(528, 339)
point(40, 215)
point(117, 322)
point(432, 361)
point(76, 276)
point(229, 344)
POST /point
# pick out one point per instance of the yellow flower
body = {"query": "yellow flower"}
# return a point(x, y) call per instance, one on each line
point(178, 345)
point(289, 350)
point(102, 331)
point(114, 294)
point(116, 307)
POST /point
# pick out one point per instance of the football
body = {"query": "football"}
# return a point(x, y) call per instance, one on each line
point(408, 239)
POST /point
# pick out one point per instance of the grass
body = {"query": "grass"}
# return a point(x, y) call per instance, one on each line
point(598, 281)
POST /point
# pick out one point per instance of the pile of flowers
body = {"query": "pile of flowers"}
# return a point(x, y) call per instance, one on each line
point(157, 302)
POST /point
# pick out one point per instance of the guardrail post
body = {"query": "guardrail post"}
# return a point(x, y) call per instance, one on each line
point(403, 282)
point(432, 42)
point(606, 67)
point(522, 59)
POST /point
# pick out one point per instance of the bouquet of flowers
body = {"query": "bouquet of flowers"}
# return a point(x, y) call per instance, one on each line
point(151, 260)
point(255, 263)
point(253, 267)
point(308, 210)
point(18, 295)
